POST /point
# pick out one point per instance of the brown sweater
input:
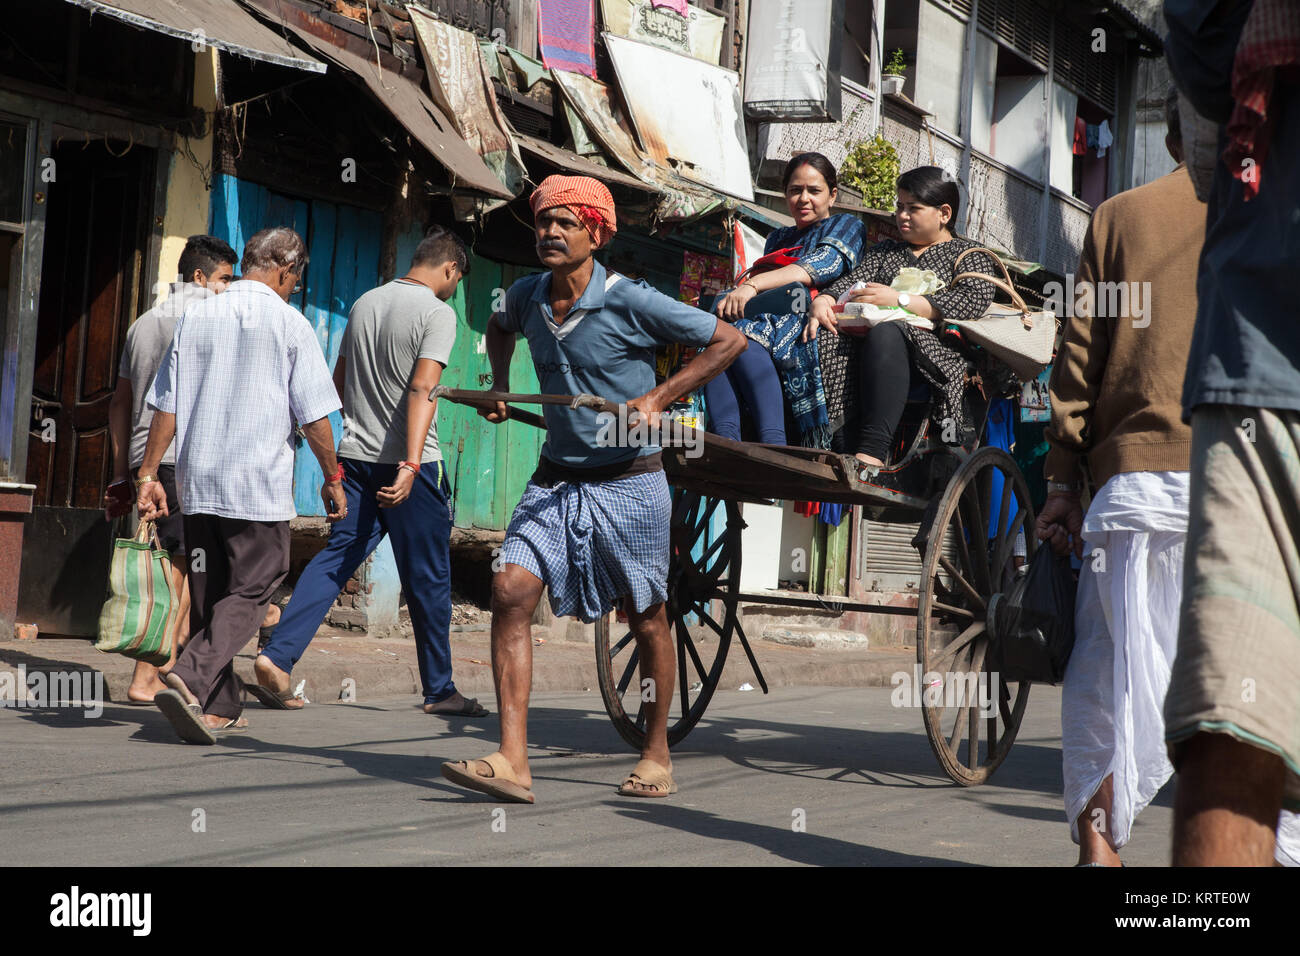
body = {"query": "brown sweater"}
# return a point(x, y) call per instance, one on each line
point(1116, 389)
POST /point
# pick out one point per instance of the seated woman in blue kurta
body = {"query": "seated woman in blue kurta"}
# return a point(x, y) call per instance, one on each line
point(771, 305)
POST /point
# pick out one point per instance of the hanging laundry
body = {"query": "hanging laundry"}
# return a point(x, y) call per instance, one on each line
point(832, 513)
point(1080, 136)
point(1104, 139)
point(1091, 136)
point(678, 6)
point(1000, 433)
point(566, 33)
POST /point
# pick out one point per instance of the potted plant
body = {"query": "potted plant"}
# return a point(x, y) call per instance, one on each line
point(872, 167)
point(891, 79)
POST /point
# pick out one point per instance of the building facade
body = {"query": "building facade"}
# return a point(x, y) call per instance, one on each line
point(126, 127)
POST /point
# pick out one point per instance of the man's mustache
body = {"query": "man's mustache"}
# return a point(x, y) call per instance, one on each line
point(547, 245)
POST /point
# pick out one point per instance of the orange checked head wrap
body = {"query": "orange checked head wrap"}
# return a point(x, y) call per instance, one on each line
point(588, 198)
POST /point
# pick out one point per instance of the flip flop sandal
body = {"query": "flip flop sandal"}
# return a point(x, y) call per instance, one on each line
point(503, 784)
point(186, 719)
point(274, 699)
point(647, 773)
point(236, 725)
point(470, 707)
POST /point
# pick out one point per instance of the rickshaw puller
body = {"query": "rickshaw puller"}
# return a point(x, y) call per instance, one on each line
point(593, 523)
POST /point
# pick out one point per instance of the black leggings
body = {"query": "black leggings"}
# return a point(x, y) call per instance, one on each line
point(885, 377)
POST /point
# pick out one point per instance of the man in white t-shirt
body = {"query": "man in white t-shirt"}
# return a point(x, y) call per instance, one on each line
point(398, 340)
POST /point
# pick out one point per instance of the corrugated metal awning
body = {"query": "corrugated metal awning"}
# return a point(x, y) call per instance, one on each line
point(413, 108)
point(580, 165)
point(219, 23)
point(1128, 13)
point(768, 217)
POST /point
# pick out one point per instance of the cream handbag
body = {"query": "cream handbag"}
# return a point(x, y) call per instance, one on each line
point(1016, 335)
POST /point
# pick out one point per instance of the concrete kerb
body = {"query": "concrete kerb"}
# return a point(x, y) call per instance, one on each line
point(561, 662)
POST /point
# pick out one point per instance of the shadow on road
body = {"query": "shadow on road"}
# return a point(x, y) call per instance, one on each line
point(808, 848)
point(859, 756)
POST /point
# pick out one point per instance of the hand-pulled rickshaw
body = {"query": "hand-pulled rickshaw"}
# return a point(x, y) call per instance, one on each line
point(971, 500)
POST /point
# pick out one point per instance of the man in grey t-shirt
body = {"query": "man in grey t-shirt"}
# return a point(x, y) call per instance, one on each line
point(398, 341)
point(205, 268)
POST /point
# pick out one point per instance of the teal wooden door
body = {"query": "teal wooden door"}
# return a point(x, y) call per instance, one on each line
point(343, 250)
point(488, 465)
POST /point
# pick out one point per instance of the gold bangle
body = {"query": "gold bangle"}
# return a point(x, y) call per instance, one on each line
point(144, 480)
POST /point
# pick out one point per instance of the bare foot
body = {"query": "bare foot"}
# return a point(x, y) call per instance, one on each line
point(1094, 849)
point(275, 680)
point(636, 783)
point(142, 691)
point(457, 705)
point(869, 460)
point(523, 777)
point(216, 722)
point(272, 616)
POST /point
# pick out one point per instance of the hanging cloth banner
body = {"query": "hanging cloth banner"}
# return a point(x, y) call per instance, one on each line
point(459, 82)
point(692, 31)
point(746, 248)
point(792, 67)
point(705, 143)
point(604, 123)
point(566, 33)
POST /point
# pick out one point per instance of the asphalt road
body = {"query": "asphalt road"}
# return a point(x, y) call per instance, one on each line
point(351, 784)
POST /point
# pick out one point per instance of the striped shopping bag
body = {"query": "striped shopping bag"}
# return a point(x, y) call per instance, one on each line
point(137, 618)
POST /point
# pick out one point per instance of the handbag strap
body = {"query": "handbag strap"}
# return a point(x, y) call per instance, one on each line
point(1025, 319)
point(776, 259)
point(147, 532)
point(1006, 286)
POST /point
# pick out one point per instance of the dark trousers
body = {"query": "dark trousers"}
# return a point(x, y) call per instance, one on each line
point(884, 379)
point(234, 567)
point(420, 530)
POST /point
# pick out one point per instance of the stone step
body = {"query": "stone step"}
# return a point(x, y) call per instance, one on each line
point(812, 635)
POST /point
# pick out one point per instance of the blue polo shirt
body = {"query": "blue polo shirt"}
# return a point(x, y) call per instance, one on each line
point(605, 347)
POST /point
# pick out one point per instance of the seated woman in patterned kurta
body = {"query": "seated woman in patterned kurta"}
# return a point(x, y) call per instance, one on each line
point(770, 307)
point(876, 371)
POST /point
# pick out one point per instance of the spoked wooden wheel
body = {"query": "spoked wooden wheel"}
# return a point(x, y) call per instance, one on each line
point(705, 586)
point(971, 716)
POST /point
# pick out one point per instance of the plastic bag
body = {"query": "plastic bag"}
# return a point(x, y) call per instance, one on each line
point(911, 280)
point(916, 281)
point(1033, 622)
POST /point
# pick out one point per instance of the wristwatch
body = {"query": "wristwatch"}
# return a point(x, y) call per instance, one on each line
point(1062, 488)
point(903, 300)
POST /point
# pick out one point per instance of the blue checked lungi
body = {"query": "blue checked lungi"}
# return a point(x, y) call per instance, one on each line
point(593, 543)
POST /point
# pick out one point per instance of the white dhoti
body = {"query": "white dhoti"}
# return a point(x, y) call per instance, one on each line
point(1126, 636)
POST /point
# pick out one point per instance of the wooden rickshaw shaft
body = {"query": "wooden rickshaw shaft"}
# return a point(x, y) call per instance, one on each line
point(470, 396)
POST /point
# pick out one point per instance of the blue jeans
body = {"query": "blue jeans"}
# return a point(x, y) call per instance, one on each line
point(420, 531)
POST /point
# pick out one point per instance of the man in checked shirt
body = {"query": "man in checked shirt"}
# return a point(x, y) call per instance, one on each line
point(242, 368)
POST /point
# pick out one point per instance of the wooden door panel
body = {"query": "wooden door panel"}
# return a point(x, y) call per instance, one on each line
point(90, 291)
point(109, 276)
point(90, 460)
